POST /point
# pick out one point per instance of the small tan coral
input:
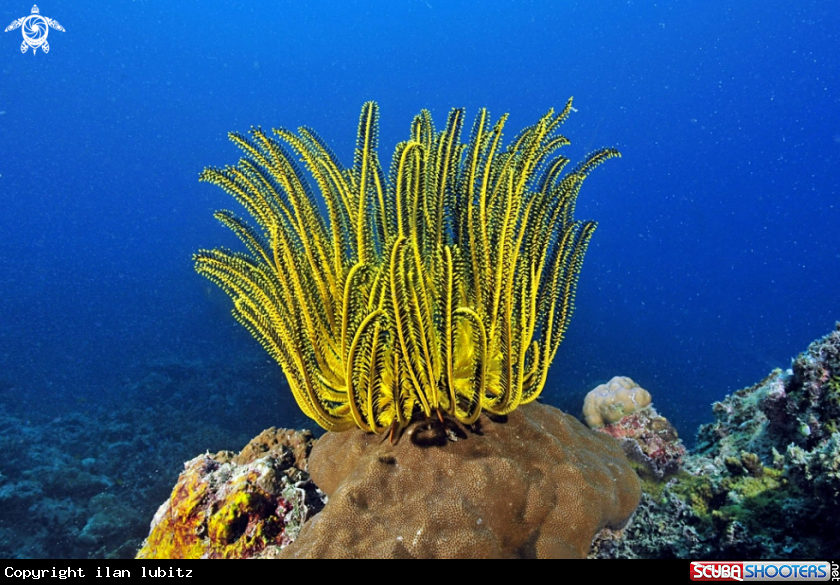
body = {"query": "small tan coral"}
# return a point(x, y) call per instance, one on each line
point(539, 484)
point(609, 402)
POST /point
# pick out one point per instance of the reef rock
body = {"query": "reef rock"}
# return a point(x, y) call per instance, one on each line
point(650, 441)
point(763, 480)
point(248, 505)
point(538, 484)
point(622, 409)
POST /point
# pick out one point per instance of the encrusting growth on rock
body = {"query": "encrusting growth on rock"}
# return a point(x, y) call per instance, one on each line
point(237, 506)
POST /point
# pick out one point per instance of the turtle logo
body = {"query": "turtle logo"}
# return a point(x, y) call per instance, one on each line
point(35, 29)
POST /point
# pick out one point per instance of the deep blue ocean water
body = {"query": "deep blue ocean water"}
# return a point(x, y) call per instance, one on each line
point(716, 259)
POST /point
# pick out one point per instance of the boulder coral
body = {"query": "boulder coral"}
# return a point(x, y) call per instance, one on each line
point(609, 402)
point(538, 484)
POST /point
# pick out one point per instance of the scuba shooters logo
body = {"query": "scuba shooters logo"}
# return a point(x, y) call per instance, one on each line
point(35, 29)
point(763, 571)
point(701, 571)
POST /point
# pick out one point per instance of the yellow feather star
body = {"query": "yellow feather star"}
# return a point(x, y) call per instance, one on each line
point(443, 287)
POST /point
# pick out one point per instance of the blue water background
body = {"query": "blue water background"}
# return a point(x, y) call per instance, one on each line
point(717, 253)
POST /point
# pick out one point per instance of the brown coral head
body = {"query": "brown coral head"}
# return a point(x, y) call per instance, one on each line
point(541, 485)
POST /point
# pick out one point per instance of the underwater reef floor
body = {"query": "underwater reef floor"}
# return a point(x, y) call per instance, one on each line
point(762, 481)
point(82, 475)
